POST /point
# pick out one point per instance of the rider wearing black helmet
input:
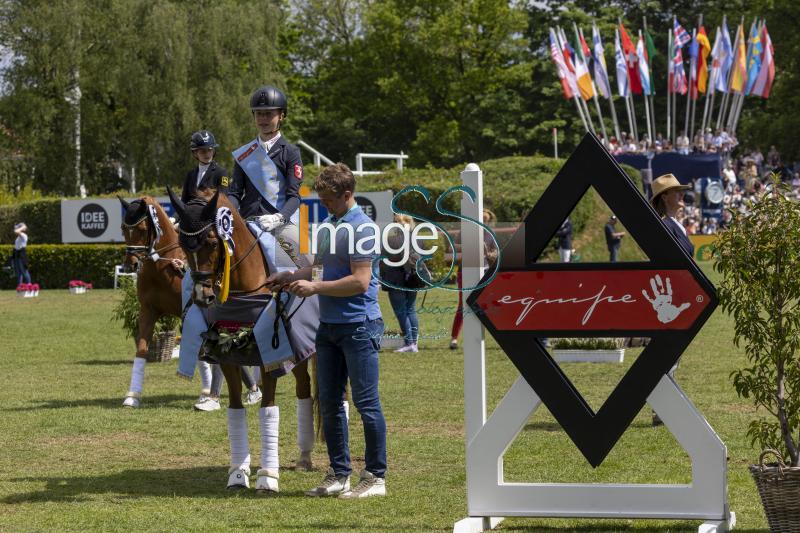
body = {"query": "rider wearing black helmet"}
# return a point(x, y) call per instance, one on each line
point(208, 173)
point(268, 170)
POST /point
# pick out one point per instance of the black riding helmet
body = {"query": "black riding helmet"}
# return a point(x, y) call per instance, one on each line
point(268, 97)
point(202, 139)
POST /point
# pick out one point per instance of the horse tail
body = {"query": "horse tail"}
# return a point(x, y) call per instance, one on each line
point(317, 412)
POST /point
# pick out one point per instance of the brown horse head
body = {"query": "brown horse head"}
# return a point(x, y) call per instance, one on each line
point(138, 234)
point(199, 240)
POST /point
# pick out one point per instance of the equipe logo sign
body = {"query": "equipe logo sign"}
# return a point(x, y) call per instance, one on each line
point(667, 299)
point(598, 300)
point(92, 220)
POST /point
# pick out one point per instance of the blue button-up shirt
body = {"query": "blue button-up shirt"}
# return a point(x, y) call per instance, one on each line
point(360, 307)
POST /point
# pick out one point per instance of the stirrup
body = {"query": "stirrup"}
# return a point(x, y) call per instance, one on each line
point(267, 481)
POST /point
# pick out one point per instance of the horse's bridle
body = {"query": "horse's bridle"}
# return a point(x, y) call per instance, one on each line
point(148, 251)
point(205, 277)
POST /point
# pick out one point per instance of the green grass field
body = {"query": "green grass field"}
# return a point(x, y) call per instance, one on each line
point(72, 459)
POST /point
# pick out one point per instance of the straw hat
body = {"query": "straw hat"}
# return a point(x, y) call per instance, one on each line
point(665, 183)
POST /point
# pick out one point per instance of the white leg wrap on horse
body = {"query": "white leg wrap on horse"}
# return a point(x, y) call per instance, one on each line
point(268, 418)
point(137, 377)
point(205, 377)
point(305, 425)
point(237, 435)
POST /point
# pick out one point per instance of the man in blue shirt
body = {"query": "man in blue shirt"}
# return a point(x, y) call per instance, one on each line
point(349, 334)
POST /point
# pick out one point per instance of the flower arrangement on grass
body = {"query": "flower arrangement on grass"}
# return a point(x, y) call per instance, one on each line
point(77, 286)
point(591, 350)
point(28, 290)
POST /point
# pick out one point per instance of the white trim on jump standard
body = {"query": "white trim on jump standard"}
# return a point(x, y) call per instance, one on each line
point(489, 497)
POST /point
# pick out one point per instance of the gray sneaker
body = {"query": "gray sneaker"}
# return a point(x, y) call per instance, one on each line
point(368, 486)
point(331, 485)
point(252, 397)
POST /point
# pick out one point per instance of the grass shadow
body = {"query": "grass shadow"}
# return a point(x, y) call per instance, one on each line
point(197, 481)
point(172, 401)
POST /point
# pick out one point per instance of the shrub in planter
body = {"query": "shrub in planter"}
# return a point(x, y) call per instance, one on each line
point(127, 312)
point(759, 259)
point(598, 343)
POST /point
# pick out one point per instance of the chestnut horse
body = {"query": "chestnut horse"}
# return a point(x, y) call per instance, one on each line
point(150, 251)
point(248, 271)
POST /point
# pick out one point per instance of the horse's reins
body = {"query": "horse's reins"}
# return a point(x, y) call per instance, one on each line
point(200, 276)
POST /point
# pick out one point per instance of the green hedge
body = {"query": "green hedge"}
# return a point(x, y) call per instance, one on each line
point(511, 187)
point(52, 266)
point(43, 218)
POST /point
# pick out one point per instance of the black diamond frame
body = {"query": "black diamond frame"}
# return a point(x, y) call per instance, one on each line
point(595, 434)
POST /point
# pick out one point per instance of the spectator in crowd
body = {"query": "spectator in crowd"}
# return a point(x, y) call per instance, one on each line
point(682, 144)
point(20, 254)
point(564, 235)
point(404, 302)
point(773, 157)
point(613, 238)
point(668, 202)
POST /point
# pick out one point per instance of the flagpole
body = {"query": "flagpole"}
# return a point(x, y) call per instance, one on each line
point(575, 99)
point(689, 91)
point(579, 99)
point(696, 72)
point(753, 26)
point(733, 97)
point(669, 88)
point(710, 91)
point(725, 93)
point(652, 85)
point(644, 93)
point(594, 88)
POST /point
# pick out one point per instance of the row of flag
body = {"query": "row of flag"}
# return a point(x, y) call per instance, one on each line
point(745, 67)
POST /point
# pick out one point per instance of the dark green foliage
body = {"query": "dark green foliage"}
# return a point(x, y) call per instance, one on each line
point(759, 259)
point(53, 266)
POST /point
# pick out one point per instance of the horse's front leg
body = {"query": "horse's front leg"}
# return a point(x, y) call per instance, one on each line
point(147, 321)
point(239, 472)
point(268, 422)
point(305, 416)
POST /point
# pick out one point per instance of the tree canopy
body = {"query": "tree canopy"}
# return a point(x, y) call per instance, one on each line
point(446, 82)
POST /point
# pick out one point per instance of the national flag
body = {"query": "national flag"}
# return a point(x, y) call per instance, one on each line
point(586, 52)
point(651, 49)
point(693, 52)
point(754, 58)
point(644, 70)
point(599, 61)
point(631, 60)
point(702, 62)
point(561, 67)
point(725, 59)
point(585, 85)
point(678, 73)
point(681, 36)
point(621, 68)
point(567, 52)
point(766, 75)
point(739, 74)
point(715, 63)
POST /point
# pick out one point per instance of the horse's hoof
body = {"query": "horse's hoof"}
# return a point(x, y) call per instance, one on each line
point(131, 402)
point(238, 479)
point(267, 482)
point(304, 464)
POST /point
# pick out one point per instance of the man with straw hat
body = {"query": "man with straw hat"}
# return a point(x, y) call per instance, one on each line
point(668, 201)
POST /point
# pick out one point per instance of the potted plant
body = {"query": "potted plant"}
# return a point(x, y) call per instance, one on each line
point(127, 312)
point(77, 286)
point(588, 350)
point(759, 259)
